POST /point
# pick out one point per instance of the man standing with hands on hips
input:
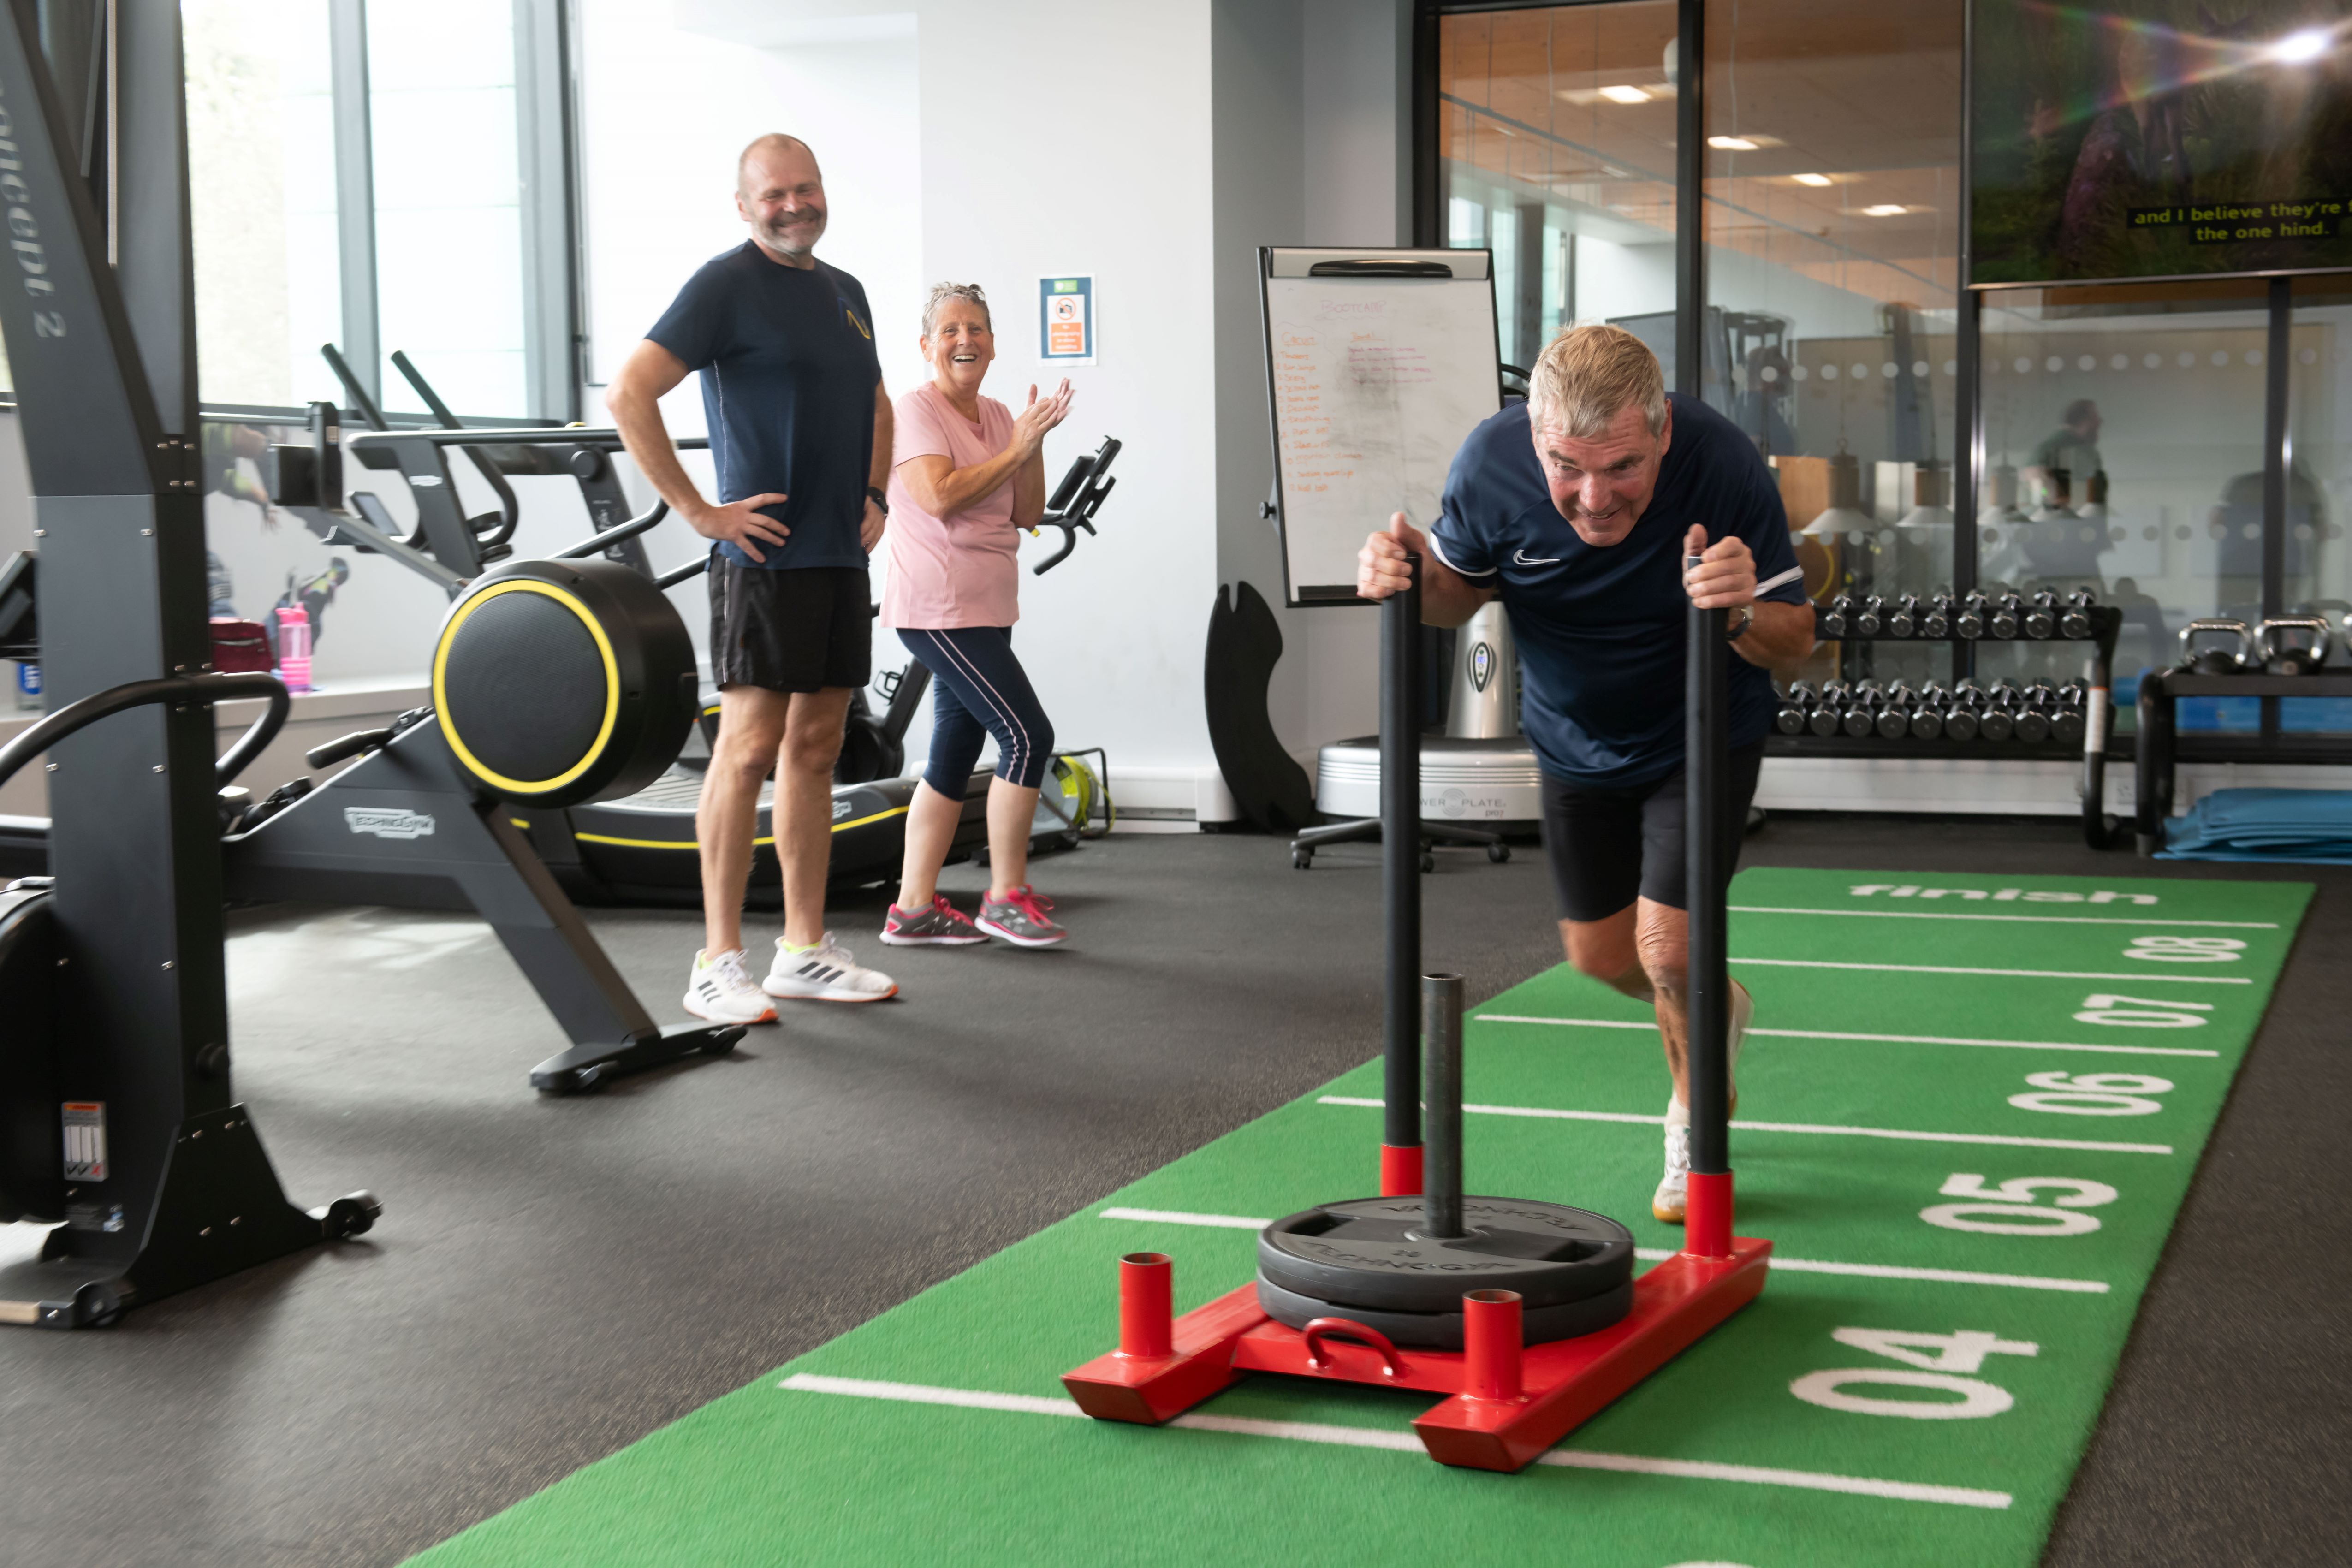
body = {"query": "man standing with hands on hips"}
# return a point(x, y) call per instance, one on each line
point(800, 435)
point(1577, 509)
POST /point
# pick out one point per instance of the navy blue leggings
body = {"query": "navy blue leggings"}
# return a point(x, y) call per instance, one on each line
point(978, 690)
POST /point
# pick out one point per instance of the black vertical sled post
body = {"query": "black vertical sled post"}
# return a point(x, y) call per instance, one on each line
point(1401, 882)
point(1441, 1024)
point(1706, 721)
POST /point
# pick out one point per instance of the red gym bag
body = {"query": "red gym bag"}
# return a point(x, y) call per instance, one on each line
point(239, 646)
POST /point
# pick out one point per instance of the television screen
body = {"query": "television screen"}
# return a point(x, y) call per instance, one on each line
point(2160, 138)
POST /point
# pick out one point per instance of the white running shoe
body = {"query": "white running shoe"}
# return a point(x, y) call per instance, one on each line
point(1673, 1196)
point(721, 990)
point(1743, 1013)
point(823, 972)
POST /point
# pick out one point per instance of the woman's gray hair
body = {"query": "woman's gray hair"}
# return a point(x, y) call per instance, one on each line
point(943, 293)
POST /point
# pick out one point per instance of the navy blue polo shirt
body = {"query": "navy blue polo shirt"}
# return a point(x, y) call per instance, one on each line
point(1601, 630)
point(788, 376)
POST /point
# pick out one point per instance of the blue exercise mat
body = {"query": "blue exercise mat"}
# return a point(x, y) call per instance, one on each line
point(2308, 825)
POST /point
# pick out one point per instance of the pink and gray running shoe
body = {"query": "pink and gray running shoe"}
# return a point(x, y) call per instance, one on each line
point(1022, 916)
point(941, 925)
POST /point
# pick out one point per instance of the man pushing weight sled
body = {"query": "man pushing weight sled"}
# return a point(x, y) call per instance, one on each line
point(1578, 508)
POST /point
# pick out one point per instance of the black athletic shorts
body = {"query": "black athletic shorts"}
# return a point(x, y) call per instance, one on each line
point(800, 630)
point(1609, 846)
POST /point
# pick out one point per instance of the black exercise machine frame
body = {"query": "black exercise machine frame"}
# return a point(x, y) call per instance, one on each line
point(170, 1186)
point(2159, 747)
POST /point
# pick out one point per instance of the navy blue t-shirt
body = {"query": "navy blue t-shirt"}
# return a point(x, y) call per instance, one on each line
point(788, 376)
point(1601, 630)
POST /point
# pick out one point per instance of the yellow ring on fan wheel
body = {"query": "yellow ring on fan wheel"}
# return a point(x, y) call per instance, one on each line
point(604, 651)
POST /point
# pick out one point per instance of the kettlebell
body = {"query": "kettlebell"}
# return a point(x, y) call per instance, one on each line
point(2293, 645)
point(2219, 660)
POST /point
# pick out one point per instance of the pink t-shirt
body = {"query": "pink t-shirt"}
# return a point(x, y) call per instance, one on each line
point(961, 570)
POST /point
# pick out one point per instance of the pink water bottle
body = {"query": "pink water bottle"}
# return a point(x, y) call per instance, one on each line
point(294, 646)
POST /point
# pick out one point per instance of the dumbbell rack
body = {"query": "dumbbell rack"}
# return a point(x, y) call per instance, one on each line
point(2107, 622)
point(2158, 747)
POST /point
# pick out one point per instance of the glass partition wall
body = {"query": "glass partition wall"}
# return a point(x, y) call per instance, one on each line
point(1832, 277)
point(2122, 440)
point(1556, 149)
point(2118, 430)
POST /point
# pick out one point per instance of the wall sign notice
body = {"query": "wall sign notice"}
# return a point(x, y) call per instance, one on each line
point(1066, 320)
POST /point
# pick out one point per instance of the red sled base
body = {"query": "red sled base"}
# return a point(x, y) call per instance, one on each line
point(1506, 1404)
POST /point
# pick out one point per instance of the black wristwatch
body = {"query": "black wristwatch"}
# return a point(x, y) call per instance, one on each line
point(1733, 630)
point(878, 498)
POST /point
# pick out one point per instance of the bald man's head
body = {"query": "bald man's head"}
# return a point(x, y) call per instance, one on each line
point(776, 144)
point(781, 194)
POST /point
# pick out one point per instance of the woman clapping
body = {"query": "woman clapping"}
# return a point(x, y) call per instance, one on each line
point(967, 474)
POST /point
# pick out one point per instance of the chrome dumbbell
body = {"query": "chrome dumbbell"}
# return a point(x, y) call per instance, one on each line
point(1969, 619)
point(2075, 621)
point(1961, 720)
point(1795, 709)
point(1927, 717)
point(1830, 710)
point(2220, 658)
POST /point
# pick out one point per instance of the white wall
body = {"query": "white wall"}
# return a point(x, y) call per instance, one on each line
point(1312, 137)
point(1050, 136)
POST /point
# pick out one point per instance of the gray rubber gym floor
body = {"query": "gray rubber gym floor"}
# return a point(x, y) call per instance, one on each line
point(555, 1279)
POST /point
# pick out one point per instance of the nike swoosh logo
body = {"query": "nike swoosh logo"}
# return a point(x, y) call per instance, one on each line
point(1521, 558)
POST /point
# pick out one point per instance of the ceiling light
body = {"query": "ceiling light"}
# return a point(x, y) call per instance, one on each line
point(1810, 179)
point(1731, 144)
point(2300, 49)
point(1622, 94)
point(1885, 209)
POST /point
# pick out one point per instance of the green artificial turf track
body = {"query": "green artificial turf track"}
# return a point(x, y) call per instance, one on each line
point(1716, 1458)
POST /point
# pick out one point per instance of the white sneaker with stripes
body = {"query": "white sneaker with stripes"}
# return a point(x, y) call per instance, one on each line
point(823, 972)
point(721, 990)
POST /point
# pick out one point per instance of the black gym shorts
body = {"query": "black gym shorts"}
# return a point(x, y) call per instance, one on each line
point(1608, 846)
point(802, 629)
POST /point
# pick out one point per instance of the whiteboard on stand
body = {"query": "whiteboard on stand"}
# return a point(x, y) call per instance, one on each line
point(1378, 362)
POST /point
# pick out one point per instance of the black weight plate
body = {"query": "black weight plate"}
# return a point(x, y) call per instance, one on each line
point(1443, 1330)
point(1363, 1252)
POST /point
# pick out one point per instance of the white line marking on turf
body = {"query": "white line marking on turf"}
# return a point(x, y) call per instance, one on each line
point(1177, 1216)
point(2020, 973)
point(1653, 1253)
point(1991, 1138)
point(923, 1394)
point(1405, 1442)
point(1887, 1039)
point(2037, 919)
point(1898, 1271)
point(1757, 1475)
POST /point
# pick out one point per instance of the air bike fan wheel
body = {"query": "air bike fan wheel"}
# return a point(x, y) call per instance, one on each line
point(560, 682)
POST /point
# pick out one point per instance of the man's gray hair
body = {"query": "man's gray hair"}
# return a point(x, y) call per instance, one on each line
point(1590, 375)
point(942, 292)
